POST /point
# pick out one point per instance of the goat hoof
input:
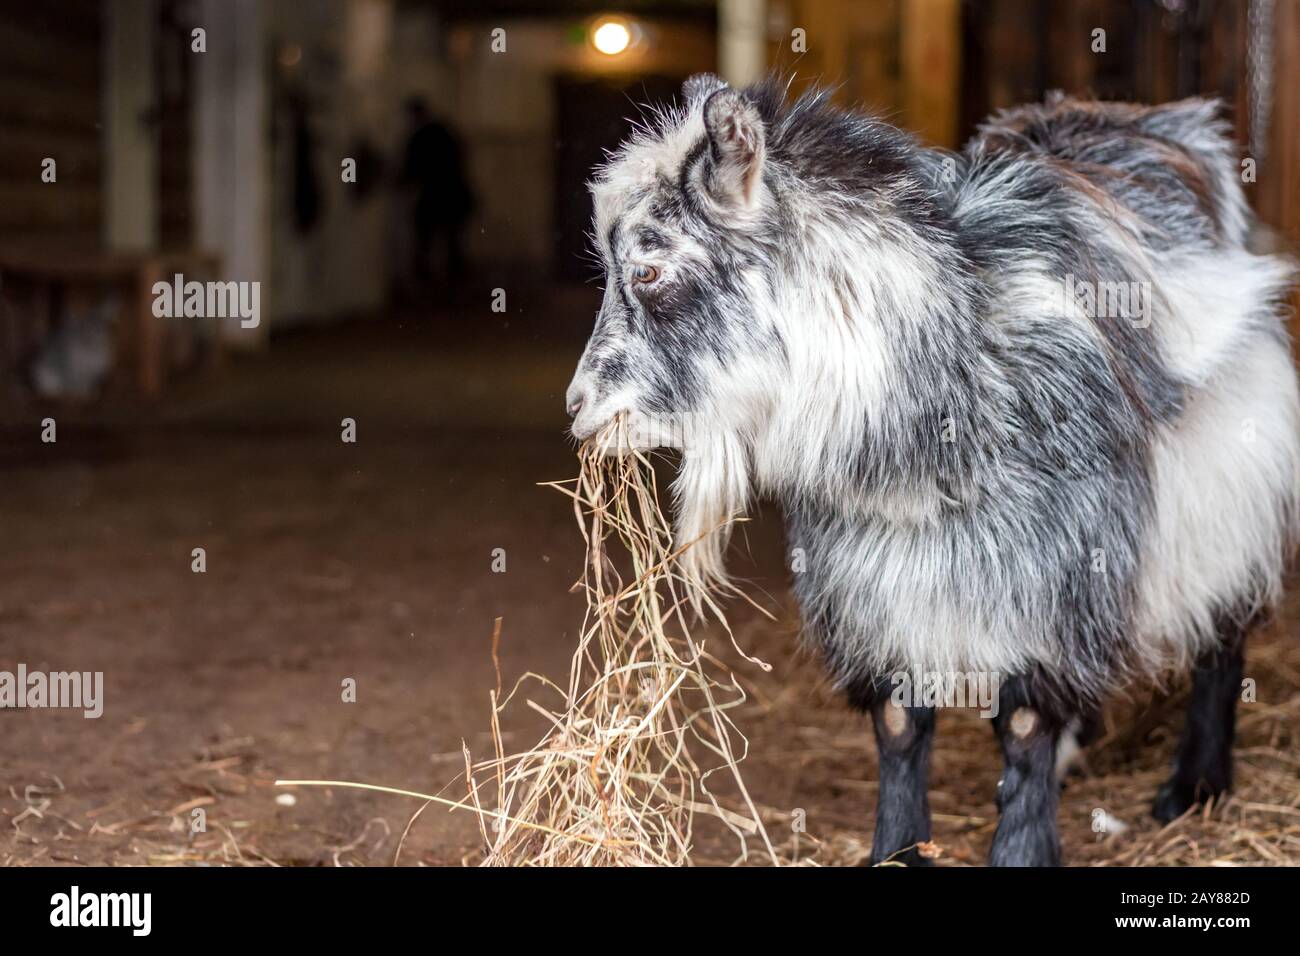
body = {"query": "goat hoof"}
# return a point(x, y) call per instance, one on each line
point(1025, 845)
point(1175, 797)
point(1040, 853)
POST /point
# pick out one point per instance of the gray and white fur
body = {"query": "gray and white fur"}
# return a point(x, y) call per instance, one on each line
point(983, 471)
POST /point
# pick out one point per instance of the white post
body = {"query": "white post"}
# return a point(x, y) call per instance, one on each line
point(231, 152)
point(742, 40)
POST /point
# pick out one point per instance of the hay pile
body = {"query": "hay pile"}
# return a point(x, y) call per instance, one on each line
point(644, 720)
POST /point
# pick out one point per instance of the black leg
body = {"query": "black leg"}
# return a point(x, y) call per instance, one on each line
point(903, 736)
point(1028, 792)
point(1203, 766)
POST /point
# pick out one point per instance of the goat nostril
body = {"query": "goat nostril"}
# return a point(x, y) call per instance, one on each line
point(575, 407)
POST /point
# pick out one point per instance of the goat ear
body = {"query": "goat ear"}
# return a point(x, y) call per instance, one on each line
point(737, 141)
point(697, 88)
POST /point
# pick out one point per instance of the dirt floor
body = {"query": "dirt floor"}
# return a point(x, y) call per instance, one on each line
point(372, 561)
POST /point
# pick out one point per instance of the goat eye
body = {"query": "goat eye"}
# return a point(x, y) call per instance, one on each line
point(645, 274)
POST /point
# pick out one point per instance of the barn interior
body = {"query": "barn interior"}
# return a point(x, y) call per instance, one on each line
point(233, 516)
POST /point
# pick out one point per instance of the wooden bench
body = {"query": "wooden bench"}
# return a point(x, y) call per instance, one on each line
point(55, 275)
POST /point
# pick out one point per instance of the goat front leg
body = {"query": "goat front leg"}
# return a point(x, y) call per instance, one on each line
point(1028, 792)
point(903, 737)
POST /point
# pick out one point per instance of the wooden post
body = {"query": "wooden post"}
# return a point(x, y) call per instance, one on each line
point(1279, 192)
point(930, 53)
point(150, 365)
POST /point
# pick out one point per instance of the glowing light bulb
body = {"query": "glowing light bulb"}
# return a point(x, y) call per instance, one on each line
point(611, 37)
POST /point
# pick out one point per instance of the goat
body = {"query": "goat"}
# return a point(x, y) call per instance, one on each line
point(1029, 410)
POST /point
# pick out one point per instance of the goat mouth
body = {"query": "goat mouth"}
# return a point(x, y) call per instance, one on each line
point(614, 435)
point(585, 432)
point(589, 427)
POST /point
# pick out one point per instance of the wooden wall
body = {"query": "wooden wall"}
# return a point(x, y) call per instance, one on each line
point(50, 107)
point(900, 59)
point(851, 45)
point(1023, 48)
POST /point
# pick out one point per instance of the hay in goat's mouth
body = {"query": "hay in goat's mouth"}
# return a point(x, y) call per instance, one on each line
point(642, 724)
point(644, 720)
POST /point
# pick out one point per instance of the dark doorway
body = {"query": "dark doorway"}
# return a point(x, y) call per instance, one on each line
point(592, 115)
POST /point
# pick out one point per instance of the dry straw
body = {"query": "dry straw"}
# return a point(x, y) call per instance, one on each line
point(644, 722)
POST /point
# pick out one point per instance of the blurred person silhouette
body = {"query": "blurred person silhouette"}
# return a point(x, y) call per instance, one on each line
point(308, 199)
point(434, 165)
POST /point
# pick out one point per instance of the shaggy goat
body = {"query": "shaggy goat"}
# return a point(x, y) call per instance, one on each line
point(1030, 410)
